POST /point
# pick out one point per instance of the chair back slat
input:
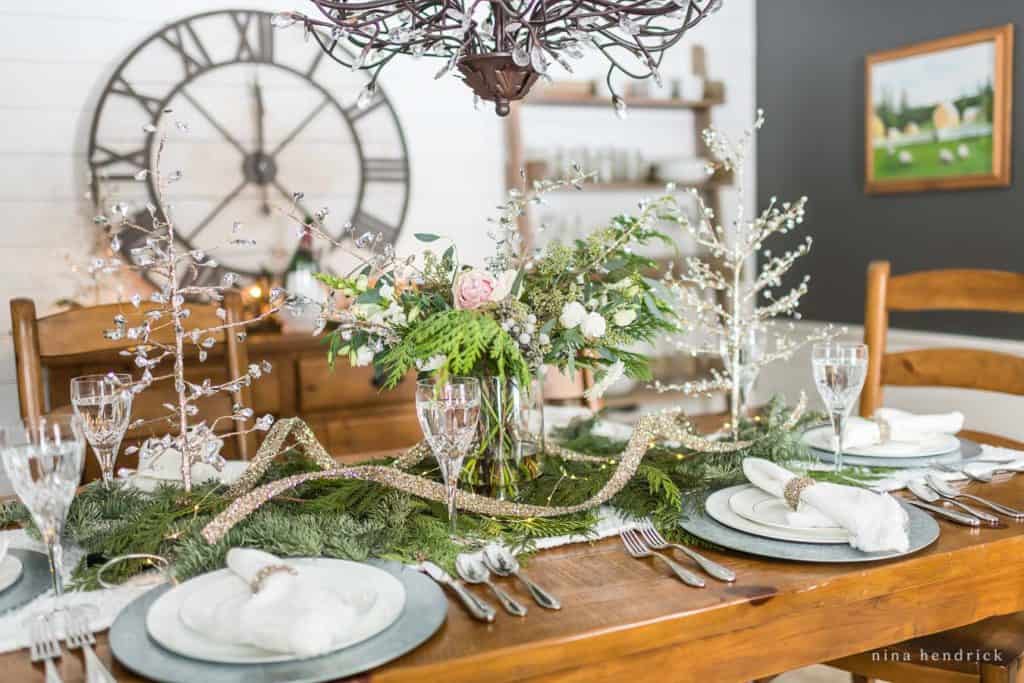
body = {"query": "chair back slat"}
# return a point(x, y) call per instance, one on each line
point(80, 331)
point(961, 368)
point(957, 290)
point(952, 289)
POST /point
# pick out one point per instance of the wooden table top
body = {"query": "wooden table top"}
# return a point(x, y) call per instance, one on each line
point(626, 619)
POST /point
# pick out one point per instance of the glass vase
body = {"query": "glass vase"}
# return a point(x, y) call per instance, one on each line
point(510, 444)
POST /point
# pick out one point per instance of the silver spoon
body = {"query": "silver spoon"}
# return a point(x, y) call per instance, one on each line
point(472, 570)
point(503, 563)
point(928, 495)
point(950, 493)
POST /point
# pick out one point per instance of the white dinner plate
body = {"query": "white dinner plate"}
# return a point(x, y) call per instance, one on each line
point(762, 508)
point(717, 507)
point(166, 626)
point(10, 571)
point(937, 444)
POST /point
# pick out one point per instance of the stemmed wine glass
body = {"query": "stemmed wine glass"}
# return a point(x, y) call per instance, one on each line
point(104, 402)
point(43, 459)
point(449, 412)
point(839, 372)
point(750, 350)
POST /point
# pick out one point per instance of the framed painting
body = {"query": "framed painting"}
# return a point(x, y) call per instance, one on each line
point(937, 114)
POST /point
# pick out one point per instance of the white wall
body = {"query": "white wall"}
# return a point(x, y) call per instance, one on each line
point(55, 58)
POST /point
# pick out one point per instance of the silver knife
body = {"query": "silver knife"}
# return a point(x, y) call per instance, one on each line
point(477, 607)
point(958, 517)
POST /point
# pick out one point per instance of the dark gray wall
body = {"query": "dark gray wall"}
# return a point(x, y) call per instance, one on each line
point(810, 81)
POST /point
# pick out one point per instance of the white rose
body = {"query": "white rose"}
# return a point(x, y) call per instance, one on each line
point(503, 287)
point(364, 356)
point(386, 291)
point(573, 314)
point(624, 317)
point(593, 326)
point(432, 363)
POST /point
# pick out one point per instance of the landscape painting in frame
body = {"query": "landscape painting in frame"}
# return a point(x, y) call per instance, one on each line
point(938, 113)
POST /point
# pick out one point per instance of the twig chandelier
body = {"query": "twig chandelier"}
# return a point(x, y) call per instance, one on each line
point(501, 47)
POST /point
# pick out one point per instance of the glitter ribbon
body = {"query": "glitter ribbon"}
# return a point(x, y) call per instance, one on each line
point(650, 429)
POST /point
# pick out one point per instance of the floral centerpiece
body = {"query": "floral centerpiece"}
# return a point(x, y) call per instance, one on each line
point(571, 306)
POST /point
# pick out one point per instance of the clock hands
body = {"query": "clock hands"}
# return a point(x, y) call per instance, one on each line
point(262, 164)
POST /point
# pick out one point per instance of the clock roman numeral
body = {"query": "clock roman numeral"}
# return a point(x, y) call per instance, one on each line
point(263, 49)
point(366, 222)
point(135, 158)
point(152, 105)
point(194, 56)
point(385, 170)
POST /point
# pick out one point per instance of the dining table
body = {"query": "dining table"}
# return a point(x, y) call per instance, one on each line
point(624, 619)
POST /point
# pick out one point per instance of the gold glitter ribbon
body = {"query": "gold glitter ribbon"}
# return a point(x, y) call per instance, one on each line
point(650, 429)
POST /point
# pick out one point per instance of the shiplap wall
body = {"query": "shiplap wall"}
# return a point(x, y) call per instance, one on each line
point(55, 58)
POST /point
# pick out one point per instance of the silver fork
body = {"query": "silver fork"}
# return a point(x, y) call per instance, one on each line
point(657, 542)
point(636, 547)
point(45, 647)
point(79, 635)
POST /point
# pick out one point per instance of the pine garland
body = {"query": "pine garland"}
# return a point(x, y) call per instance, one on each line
point(354, 519)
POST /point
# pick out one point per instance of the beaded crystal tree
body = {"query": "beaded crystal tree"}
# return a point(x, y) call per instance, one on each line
point(718, 294)
point(163, 339)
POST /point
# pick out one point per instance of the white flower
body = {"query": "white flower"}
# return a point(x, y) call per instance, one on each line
point(362, 282)
point(386, 291)
point(503, 287)
point(593, 326)
point(572, 315)
point(364, 356)
point(624, 317)
point(612, 375)
point(432, 363)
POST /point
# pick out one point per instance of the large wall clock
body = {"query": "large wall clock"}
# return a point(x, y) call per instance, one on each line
point(255, 116)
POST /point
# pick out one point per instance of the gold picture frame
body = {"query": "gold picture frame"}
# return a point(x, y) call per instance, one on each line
point(937, 115)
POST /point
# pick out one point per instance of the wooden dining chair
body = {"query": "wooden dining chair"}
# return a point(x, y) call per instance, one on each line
point(50, 350)
point(942, 290)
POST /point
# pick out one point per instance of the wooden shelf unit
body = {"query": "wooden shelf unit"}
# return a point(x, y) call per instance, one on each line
point(573, 100)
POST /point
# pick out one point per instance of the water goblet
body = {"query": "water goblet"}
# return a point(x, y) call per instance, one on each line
point(748, 347)
point(839, 372)
point(449, 412)
point(43, 460)
point(104, 402)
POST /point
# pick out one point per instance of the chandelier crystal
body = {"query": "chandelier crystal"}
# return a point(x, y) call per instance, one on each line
point(501, 47)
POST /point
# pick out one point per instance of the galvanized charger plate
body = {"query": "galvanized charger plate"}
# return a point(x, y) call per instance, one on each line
point(425, 611)
point(33, 582)
point(968, 451)
point(923, 531)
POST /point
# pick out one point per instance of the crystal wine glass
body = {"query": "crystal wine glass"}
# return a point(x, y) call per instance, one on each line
point(449, 412)
point(839, 372)
point(104, 402)
point(43, 459)
point(750, 349)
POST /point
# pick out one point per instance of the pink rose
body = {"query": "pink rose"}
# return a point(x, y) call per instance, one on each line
point(473, 289)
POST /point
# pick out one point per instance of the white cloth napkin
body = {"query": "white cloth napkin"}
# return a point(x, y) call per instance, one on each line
point(291, 613)
point(903, 426)
point(875, 522)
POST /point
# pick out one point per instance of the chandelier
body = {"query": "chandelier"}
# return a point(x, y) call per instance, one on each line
point(499, 48)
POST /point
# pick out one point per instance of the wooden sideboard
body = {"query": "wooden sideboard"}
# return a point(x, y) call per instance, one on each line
point(350, 416)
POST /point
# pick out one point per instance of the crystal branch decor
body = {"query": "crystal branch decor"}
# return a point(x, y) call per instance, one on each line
point(501, 47)
point(719, 298)
point(163, 337)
